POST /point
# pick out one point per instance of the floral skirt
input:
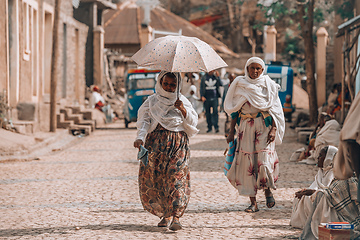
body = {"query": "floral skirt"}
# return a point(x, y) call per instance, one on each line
point(256, 164)
point(164, 184)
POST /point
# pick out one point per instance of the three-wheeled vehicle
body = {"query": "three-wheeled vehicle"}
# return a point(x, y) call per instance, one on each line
point(284, 76)
point(139, 84)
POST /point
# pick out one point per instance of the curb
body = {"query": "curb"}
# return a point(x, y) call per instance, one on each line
point(55, 143)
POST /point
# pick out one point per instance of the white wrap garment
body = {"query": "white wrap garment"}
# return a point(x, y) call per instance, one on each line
point(261, 93)
point(159, 109)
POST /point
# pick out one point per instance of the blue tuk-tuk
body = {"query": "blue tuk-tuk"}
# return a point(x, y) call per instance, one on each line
point(283, 75)
point(139, 84)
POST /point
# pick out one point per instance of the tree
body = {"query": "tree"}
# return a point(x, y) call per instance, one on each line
point(306, 18)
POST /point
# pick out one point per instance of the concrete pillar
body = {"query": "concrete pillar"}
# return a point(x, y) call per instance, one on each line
point(145, 35)
point(270, 44)
point(322, 39)
point(98, 63)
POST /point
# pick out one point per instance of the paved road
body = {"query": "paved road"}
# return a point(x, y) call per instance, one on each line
point(90, 191)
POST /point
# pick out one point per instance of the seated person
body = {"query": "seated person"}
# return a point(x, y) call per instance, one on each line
point(327, 132)
point(288, 108)
point(302, 202)
point(335, 109)
point(337, 203)
point(97, 101)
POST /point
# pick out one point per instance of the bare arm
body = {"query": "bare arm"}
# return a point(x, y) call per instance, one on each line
point(272, 132)
point(230, 137)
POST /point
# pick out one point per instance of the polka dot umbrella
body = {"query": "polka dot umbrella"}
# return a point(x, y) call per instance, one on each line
point(179, 54)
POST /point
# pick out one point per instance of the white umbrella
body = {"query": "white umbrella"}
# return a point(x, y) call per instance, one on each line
point(179, 54)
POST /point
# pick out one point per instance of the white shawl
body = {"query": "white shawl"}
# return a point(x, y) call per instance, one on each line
point(159, 109)
point(325, 175)
point(262, 93)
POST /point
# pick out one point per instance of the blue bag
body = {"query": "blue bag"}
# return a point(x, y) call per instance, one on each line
point(143, 155)
point(230, 156)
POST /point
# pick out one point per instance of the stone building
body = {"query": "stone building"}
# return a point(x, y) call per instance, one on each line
point(26, 35)
point(90, 12)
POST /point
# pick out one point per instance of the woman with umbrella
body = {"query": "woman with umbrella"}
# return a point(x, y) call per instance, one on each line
point(165, 122)
point(253, 102)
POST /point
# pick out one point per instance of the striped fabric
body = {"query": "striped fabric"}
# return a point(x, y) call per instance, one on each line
point(342, 195)
point(229, 156)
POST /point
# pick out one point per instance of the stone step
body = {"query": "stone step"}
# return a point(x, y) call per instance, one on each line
point(90, 123)
point(303, 136)
point(77, 130)
point(62, 123)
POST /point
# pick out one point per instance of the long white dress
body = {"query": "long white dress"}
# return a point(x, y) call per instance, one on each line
point(256, 164)
point(302, 208)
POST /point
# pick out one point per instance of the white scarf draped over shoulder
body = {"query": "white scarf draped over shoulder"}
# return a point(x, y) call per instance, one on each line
point(325, 175)
point(159, 109)
point(261, 93)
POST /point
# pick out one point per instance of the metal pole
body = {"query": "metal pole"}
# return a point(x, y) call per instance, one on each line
point(54, 66)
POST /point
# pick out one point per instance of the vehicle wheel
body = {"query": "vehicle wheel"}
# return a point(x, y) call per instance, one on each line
point(126, 123)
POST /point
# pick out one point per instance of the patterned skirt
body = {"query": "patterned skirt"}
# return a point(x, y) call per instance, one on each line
point(256, 164)
point(164, 184)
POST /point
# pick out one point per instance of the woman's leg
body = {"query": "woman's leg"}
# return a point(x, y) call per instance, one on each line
point(270, 201)
point(253, 207)
point(164, 222)
point(175, 224)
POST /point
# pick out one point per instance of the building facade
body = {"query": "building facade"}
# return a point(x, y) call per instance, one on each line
point(26, 48)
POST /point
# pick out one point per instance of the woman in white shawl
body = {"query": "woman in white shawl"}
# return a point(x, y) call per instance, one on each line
point(302, 203)
point(165, 122)
point(253, 102)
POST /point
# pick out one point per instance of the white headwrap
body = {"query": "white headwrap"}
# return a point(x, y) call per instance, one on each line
point(325, 175)
point(261, 93)
point(163, 111)
point(328, 161)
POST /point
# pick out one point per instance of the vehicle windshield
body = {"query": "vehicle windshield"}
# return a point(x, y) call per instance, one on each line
point(142, 81)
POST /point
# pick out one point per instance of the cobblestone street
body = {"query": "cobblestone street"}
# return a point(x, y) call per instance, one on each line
point(90, 191)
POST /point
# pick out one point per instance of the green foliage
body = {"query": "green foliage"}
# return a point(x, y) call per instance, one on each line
point(346, 9)
point(293, 49)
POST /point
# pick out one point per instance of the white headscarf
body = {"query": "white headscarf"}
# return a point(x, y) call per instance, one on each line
point(325, 175)
point(162, 109)
point(261, 93)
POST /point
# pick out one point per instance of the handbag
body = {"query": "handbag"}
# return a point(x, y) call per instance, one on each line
point(229, 156)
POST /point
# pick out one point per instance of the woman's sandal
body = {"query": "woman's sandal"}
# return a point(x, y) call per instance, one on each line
point(251, 209)
point(270, 201)
point(175, 225)
point(164, 222)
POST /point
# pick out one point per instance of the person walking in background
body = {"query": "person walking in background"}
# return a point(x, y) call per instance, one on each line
point(209, 91)
point(231, 77)
point(254, 104)
point(165, 122)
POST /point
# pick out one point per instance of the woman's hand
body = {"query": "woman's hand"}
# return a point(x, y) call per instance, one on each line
point(230, 137)
point(138, 143)
point(179, 105)
point(271, 135)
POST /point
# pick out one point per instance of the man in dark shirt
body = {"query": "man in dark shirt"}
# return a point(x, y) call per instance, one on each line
point(209, 91)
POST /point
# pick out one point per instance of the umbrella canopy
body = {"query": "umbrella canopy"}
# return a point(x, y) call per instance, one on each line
point(178, 54)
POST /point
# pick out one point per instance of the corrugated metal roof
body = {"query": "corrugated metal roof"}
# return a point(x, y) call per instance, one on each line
point(121, 26)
